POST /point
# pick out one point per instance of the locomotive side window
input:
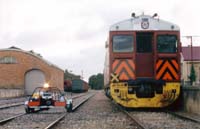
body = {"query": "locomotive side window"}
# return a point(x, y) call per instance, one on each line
point(167, 43)
point(122, 43)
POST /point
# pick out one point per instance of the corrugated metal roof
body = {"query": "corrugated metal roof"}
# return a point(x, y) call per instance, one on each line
point(13, 48)
point(187, 53)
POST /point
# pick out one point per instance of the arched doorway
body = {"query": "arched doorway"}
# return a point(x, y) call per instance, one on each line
point(34, 78)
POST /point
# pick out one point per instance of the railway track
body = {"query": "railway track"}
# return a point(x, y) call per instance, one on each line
point(44, 119)
point(11, 105)
point(81, 102)
point(52, 124)
point(137, 122)
point(97, 113)
point(185, 116)
point(160, 119)
point(148, 119)
point(4, 101)
point(12, 102)
point(9, 113)
point(11, 118)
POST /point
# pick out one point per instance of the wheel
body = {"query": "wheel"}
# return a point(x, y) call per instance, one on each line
point(69, 107)
point(29, 110)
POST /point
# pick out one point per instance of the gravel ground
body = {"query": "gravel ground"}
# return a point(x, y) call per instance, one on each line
point(161, 120)
point(97, 113)
point(78, 100)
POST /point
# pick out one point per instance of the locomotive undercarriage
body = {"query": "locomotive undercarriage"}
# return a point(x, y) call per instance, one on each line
point(148, 93)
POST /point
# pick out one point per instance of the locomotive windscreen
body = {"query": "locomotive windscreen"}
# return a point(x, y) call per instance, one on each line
point(167, 43)
point(122, 43)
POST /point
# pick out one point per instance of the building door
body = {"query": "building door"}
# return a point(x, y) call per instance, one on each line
point(33, 79)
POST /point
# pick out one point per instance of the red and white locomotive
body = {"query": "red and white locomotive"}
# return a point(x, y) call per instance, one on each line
point(142, 64)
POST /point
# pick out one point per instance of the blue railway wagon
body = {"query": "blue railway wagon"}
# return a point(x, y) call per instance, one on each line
point(79, 85)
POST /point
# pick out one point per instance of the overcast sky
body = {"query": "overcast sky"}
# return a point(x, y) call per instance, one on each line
point(72, 33)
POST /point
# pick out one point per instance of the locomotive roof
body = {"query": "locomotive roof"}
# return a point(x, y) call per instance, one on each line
point(144, 22)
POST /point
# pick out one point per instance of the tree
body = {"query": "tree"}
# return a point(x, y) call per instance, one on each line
point(99, 80)
point(192, 75)
point(96, 81)
point(92, 81)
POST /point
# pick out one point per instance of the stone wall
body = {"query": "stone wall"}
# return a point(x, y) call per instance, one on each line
point(191, 99)
point(9, 93)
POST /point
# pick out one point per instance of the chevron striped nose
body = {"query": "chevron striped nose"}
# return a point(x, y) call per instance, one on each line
point(124, 68)
point(167, 69)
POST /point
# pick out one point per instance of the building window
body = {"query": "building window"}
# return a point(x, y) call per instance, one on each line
point(8, 60)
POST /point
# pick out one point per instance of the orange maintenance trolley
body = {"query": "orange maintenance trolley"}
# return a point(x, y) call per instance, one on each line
point(47, 97)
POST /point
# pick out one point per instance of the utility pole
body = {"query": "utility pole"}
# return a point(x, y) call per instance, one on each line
point(191, 50)
point(82, 74)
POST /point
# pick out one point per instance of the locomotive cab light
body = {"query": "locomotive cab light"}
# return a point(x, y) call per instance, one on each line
point(155, 15)
point(46, 85)
point(133, 15)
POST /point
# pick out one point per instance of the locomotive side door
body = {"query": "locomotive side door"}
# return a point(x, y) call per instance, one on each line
point(144, 55)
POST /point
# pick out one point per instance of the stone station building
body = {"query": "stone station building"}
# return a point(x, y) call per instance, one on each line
point(22, 71)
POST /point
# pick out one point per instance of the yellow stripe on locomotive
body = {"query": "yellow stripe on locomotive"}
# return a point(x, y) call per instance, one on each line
point(120, 93)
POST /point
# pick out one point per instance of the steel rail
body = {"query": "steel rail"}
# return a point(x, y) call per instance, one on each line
point(51, 125)
point(139, 123)
point(184, 116)
point(78, 96)
point(11, 105)
point(81, 102)
point(11, 118)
